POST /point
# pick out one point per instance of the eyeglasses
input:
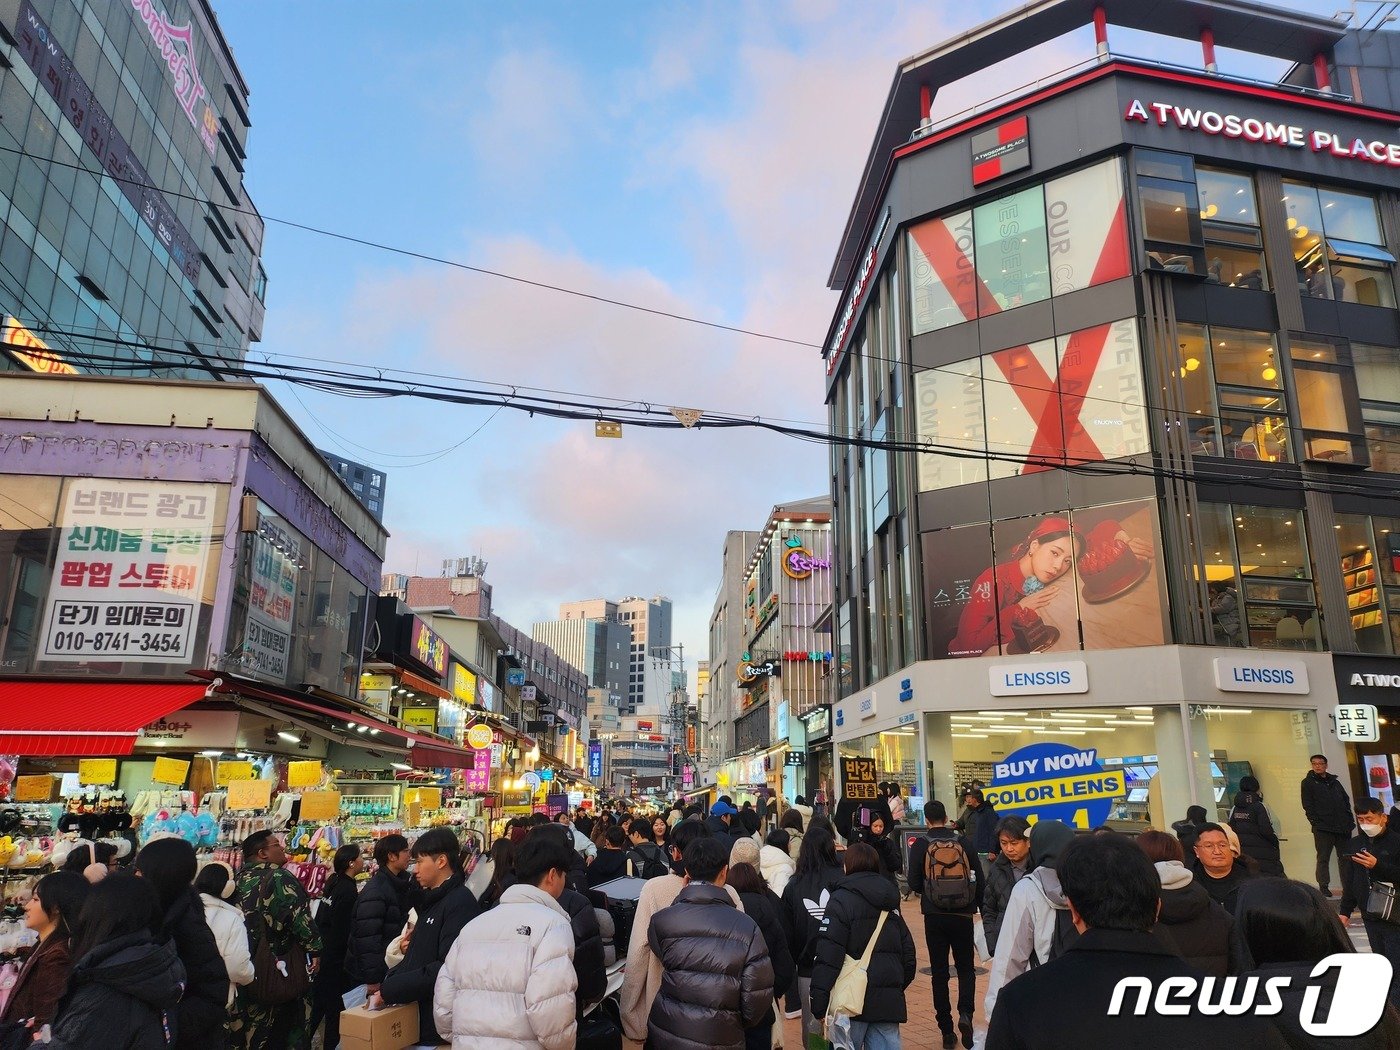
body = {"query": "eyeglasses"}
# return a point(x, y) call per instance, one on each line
point(1213, 847)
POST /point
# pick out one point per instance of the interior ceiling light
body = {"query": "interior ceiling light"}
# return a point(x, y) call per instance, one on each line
point(288, 733)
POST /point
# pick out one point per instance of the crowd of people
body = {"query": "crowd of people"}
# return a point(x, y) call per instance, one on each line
point(744, 918)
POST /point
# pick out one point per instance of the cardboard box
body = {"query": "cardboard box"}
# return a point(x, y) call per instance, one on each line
point(391, 1028)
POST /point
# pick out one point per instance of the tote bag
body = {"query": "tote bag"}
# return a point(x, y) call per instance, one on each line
point(848, 993)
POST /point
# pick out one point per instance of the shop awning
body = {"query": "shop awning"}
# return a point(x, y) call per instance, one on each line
point(440, 756)
point(84, 717)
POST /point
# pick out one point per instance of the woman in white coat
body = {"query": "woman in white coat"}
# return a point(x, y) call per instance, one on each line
point(775, 862)
point(215, 885)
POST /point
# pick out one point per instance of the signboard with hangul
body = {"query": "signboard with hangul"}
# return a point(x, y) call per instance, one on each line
point(1357, 723)
point(267, 633)
point(859, 777)
point(128, 577)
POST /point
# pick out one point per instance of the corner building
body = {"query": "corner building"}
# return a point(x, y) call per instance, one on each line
point(1129, 341)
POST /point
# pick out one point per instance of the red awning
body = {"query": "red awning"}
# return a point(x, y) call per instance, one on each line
point(85, 717)
point(440, 756)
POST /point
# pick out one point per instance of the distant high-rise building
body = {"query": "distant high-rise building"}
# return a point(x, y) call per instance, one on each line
point(649, 620)
point(599, 648)
point(367, 483)
point(726, 647)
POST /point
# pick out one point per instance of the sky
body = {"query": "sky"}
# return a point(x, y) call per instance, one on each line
point(696, 158)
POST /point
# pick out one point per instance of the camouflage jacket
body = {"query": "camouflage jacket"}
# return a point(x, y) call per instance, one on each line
point(272, 897)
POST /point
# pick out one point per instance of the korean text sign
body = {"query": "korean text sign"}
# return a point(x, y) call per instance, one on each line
point(859, 776)
point(128, 577)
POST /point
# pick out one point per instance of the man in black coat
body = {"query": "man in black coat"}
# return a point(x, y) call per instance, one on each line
point(1112, 890)
point(379, 912)
point(1328, 809)
point(723, 822)
point(445, 906)
point(1373, 856)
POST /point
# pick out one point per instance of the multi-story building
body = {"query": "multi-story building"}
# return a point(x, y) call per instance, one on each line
point(649, 620)
point(726, 652)
point(1141, 323)
point(366, 482)
point(128, 244)
point(600, 648)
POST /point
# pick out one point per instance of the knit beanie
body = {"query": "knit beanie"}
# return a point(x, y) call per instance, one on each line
point(745, 851)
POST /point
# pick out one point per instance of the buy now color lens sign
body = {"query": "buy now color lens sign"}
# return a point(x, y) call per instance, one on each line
point(1054, 781)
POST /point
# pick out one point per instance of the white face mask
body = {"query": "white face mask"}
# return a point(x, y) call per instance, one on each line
point(1371, 830)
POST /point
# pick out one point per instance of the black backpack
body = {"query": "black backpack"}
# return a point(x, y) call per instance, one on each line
point(648, 862)
point(1064, 935)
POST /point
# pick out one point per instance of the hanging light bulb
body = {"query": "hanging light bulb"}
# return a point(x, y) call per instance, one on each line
point(1192, 363)
point(1270, 373)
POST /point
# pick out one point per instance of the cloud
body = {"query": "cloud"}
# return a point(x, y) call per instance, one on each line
point(529, 116)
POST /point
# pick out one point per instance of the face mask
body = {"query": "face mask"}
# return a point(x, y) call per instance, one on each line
point(1371, 830)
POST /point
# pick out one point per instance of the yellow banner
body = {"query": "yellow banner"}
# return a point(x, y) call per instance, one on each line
point(320, 805)
point(1082, 787)
point(97, 771)
point(424, 717)
point(230, 771)
point(304, 774)
point(249, 794)
point(428, 798)
point(33, 789)
point(171, 771)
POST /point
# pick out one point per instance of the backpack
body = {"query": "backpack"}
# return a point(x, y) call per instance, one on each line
point(648, 863)
point(949, 881)
point(1063, 936)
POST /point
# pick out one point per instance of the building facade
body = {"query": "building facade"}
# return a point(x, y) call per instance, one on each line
point(1127, 351)
point(726, 653)
point(649, 621)
point(600, 648)
point(366, 482)
point(128, 245)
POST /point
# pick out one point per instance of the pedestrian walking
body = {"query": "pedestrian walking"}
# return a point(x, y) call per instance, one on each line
point(334, 919)
point(717, 977)
point(611, 862)
point(1284, 929)
point(863, 908)
point(216, 885)
point(170, 865)
point(127, 980)
point(1190, 923)
point(776, 864)
point(380, 911)
point(1254, 827)
point(1037, 926)
point(445, 906)
point(792, 822)
point(723, 821)
point(648, 858)
point(1328, 809)
point(945, 873)
point(509, 979)
point(1064, 1005)
point(764, 907)
point(279, 911)
point(51, 912)
point(1374, 856)
point(1008, 867)
point(806, 897)
point(1220, 866)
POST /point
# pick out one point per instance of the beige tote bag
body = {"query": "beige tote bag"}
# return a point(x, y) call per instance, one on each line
point(848, 993)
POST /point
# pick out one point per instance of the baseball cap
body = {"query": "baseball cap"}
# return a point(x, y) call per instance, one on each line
point(721, 809)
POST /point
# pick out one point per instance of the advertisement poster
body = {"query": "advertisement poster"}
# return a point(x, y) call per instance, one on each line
point(128, 576)
point(1040, 584)
point(1055, 781)
point(267, 635)
point(858, 775)
point(478, 778)
point(1378, 779)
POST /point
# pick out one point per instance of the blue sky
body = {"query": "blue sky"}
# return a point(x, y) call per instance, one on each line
point(698, 158)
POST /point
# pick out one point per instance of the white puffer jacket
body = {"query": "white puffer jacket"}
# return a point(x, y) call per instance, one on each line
point(231, 935)
point(776, 867)
point(509, 982)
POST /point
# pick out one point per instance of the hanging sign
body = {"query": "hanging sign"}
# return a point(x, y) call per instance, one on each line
point(250, 794)
point(859, 777)
point(172, 771)
point(1357, 723)
point(304, 774)
point(34, 789)
point(231, 771)
point(480, 736)
point(97, 771)
point(320, 805)
point(423, 717)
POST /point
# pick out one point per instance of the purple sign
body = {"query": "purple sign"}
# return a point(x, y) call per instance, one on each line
point(84, 449)
point(478, 778)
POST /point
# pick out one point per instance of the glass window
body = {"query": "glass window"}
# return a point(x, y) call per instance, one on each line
point(1245, 358)
point(1351, 216)
point(1265, 548)
point(1365, 594)
point(1377, 372)
point(1012, 255)
point(1018, 388)
point(1088, 227)
point(1167, 210)
point(950, 417)
point(1270, 541)
point(1353, 282)
point(1226, 197)
point(1101, 392)
point(1161, 165)
point(943, 281)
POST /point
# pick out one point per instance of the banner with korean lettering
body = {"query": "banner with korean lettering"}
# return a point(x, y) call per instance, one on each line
point(128, 576)
point(478, 778)
point(267, 634)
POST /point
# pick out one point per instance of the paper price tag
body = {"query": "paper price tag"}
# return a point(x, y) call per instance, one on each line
point(231, 771)
point(33, 789)
point(249, 794)
point(304, 774)
point(97, 771)
point(320, 805)
point(171, 771)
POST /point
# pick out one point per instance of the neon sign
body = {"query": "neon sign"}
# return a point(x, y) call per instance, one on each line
point(799, 563)
point(189, 88)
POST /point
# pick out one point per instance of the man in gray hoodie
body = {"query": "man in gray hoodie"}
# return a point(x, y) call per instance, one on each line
point(1036, 924)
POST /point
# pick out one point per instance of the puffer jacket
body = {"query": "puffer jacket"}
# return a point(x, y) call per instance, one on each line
point(851, 917)
point(378, 918)
point(122, 994)
point(717, 979)
point(776, 867)
point(509, 982)
point(805, 898)
point(230, 931)
point(1027, 927)
point(1192, 924)
point(443, 912)
point(1251, 824)
point(1002, 877)
point(590, 962)
point(766, 910)
point(204, 1006)
point(1326, 804)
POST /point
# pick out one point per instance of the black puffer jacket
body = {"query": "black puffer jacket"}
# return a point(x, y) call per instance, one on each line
point(199, 1020)
point(767, 910)
point(589, 961)
point(334, 919)
point(805, 899)
point(442, 912)
point(380, 912)
point(119, 997)
point(608, 865)
point(851, 917)
point(1326, 804)
point(1190, 923)
point(1250, 822)
point(1002, 877)
point(717, 980)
